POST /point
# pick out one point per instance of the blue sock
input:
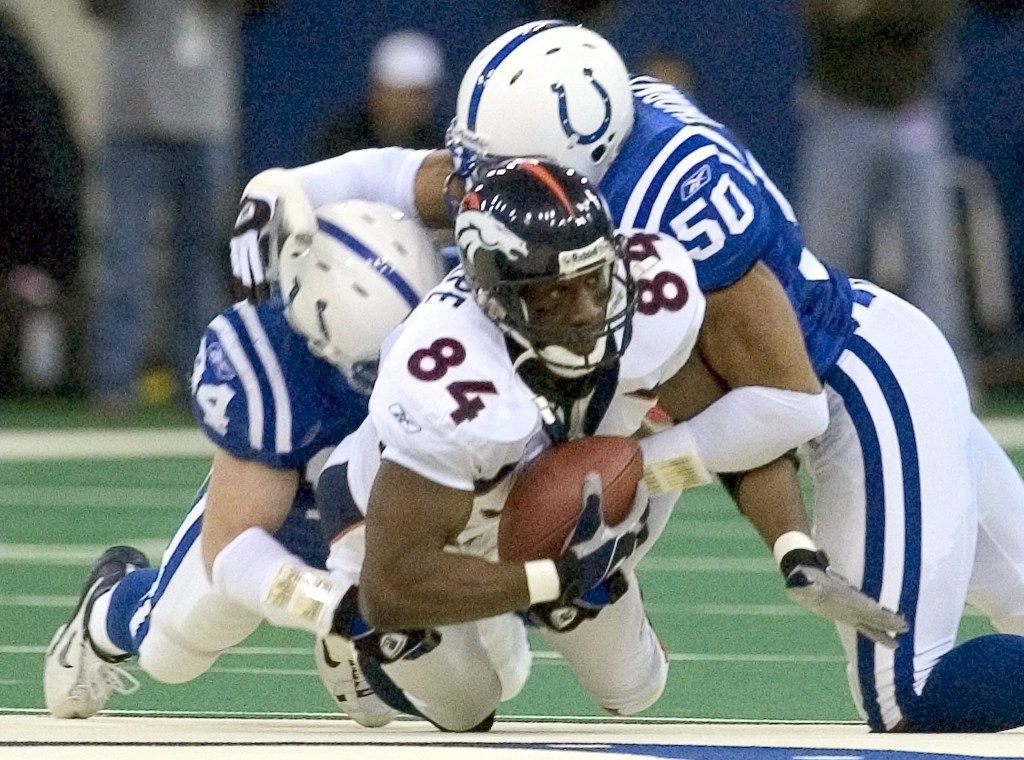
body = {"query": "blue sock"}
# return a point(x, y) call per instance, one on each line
point(976, 687)
point(124, 601)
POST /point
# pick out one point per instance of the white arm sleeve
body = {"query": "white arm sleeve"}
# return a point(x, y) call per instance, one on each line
point(746, 428)
point(257, 572)
point(385, 175)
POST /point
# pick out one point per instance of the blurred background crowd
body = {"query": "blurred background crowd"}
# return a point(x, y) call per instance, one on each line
point(128, 128)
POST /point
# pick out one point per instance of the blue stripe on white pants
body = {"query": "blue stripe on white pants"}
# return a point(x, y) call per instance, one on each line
point(182, 542)
point(875, 475)
point(894, 495)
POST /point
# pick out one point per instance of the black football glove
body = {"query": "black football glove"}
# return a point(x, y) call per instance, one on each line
point(391, 646)
point(562, 618)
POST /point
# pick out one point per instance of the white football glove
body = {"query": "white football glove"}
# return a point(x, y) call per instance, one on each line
point(274, 205)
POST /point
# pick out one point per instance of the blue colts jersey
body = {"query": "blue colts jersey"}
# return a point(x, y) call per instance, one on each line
point(259, 393)
point(684, 174)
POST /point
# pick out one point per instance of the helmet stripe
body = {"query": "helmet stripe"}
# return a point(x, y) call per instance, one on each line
point(366, 253)
point(481, 82)
point(550, 182)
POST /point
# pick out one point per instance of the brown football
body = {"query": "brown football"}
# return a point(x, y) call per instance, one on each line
point(546, 499)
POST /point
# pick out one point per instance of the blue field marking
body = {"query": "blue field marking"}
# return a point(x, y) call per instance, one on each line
point(705, 752)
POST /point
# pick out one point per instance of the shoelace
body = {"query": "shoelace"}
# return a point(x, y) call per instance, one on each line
point(106, 678)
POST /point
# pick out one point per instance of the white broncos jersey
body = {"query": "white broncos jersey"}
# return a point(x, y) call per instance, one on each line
point(449, 405)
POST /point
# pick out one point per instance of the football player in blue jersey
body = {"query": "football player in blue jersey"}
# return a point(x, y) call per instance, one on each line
point(915, 503)
point(276, 386)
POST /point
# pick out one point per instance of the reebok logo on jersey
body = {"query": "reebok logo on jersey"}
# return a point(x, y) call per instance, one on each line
point(218, 360)
point(695, 181)
point(403, 418)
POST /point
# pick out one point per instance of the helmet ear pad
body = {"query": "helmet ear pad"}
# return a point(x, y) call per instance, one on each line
point(365, 259)
point(569, 89)
point(528, 221)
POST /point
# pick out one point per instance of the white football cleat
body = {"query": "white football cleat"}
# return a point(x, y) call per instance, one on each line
point(345, 681)
point(78, 680)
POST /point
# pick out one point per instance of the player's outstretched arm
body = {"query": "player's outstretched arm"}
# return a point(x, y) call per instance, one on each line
point(746, 398)
point(408, 579)
point(279, 202)
point(247, 502)
point(274, 205)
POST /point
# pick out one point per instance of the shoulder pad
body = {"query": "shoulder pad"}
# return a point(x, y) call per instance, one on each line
point(670, 310)
point(253, 391)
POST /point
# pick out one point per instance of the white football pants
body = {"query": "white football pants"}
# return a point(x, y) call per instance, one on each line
point(914, 501)
point(616, 656)
point(183, 622)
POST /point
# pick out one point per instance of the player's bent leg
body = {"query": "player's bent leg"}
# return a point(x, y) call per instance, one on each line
point(184, 625)
point(78, 679)
point(895, 505)
point(454, 685)
point(508, 648)
point(617, 655)
point(997, 578)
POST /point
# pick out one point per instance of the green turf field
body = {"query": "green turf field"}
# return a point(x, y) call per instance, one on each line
point(739, 649)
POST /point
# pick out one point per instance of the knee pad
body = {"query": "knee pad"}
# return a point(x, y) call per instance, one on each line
point(167, 661)
point(653, 688)
point(504, 637)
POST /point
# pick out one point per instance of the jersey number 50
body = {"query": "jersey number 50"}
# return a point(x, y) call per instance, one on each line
point(732, 207)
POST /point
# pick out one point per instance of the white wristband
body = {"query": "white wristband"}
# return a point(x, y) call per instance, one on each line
point(794, 539)
point(542, 580)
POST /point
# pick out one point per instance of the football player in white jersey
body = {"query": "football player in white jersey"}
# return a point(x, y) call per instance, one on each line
point(554, 328)
point(915, 503)
point(276, 386)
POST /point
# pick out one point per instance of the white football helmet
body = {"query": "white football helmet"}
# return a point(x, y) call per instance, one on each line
point(353, 281)
point(545, 89)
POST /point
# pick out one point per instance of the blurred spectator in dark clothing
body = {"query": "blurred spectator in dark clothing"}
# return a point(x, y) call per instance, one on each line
point(876, 150)
point(1006, 8)
point(400, 107)
point(172, 92)
point(41, 175)
point(987, 113)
